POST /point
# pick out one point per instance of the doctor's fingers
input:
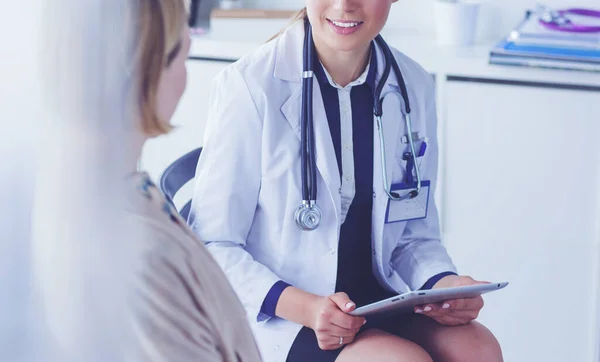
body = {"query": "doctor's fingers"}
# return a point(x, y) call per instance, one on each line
point(468, 304)
point(464, 316)
point(331, 342)
point(346, 321)
point(453, 319)
point(475, 303)
point(334, 330)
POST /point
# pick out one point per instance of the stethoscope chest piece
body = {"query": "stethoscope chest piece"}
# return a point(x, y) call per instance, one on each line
point(308, 216)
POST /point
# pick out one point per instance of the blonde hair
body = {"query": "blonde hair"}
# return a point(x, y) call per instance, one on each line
point(299, 16)
point(158, 41)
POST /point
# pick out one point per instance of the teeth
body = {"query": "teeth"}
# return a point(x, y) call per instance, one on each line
point(344, 25)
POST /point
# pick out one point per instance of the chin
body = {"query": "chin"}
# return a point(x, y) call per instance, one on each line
point(347, 45)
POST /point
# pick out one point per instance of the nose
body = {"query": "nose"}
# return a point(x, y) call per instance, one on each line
point(345, 6)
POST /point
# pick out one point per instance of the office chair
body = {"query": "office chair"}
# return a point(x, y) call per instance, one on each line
point(178, 174)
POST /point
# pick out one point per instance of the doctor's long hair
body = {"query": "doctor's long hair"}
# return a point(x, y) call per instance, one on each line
point(299, 16)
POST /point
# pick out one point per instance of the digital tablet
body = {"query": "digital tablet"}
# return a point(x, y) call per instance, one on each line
point(408, 301)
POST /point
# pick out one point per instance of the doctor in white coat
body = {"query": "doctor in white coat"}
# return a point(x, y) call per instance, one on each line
point(298, 286)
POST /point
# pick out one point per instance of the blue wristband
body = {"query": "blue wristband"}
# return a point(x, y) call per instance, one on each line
point(436, 278)
point(270, 303)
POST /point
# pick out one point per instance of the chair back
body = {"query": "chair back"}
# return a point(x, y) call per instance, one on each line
point(180, 172)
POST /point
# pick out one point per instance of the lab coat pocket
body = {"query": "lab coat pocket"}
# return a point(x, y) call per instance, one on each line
point(399, 174)
point(423, 153)
point(399, 171)
point(422, 163)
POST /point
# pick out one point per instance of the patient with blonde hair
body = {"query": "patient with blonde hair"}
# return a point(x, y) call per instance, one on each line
point(184, 307)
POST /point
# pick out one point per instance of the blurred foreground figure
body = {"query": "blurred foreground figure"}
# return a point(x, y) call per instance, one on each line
point(123, 277)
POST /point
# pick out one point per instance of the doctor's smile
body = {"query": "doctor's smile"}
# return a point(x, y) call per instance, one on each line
point(345, 27)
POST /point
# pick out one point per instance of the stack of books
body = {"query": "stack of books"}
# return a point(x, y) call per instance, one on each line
point(533, 45)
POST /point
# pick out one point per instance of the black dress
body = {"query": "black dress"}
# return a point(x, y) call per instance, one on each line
point(355, 269)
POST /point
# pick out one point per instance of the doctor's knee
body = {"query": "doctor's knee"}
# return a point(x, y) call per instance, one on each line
point(483, 346)
point(469, 343)
point(377, 345)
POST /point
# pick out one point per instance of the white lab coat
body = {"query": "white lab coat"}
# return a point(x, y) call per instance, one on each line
point(248, 186)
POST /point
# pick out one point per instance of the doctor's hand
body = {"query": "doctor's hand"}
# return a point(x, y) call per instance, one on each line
point(454, 312)
point(332, 324)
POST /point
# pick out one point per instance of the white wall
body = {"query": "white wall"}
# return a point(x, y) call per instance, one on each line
point(497, 16)
point(596, 328)
point(506, 220)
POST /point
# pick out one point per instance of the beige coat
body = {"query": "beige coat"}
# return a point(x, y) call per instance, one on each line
point(184, 308)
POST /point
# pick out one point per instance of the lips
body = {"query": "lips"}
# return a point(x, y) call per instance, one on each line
point(344, 27)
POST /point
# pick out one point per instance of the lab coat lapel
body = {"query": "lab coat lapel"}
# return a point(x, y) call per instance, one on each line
point(392, 121)
point(324, 151)
point(326, 159)
point(393, 128)
point(288, 67)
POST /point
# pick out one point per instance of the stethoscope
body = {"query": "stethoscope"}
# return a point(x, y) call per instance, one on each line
point(308, 214)
point(558, 20)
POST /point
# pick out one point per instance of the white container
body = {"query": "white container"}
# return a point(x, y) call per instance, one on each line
point(456, 21)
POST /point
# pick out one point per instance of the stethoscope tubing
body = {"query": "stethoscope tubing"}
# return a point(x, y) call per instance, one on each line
point(309, 177)
point(308, 215)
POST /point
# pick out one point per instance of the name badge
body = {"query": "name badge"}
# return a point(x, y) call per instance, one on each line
point(409, 209)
